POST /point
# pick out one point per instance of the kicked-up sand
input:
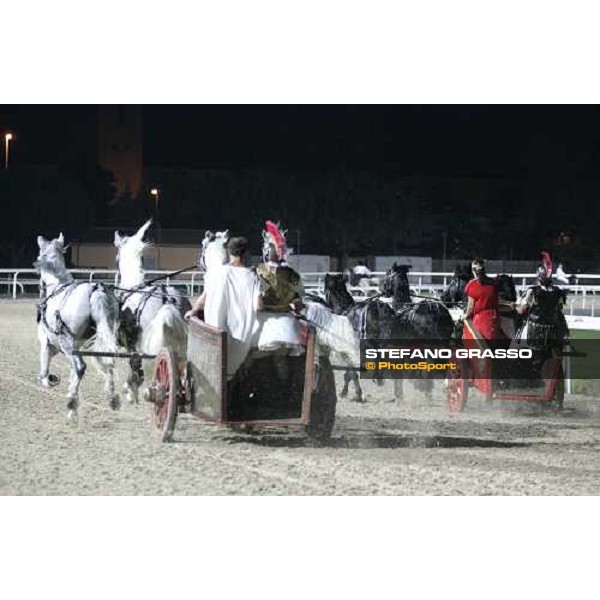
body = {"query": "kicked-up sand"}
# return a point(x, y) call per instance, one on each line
point(379, 447)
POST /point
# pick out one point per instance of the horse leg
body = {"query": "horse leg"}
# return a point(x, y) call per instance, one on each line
point(47, 351)
point(377, 378)
point(135, 379)
point(107, 368)
point(425, 386)
point(104, 313)
point(78, 367)
point(357, 388)
point(347, 377)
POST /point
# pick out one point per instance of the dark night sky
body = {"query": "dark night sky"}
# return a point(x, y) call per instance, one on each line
point(503, 141)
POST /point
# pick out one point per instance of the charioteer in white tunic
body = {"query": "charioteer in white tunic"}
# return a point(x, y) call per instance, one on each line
point(230, 301)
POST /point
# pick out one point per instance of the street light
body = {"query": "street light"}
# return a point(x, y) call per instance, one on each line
point(154, 192)
point(7, 139)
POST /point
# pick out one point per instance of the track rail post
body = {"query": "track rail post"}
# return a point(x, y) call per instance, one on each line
point(15, 277)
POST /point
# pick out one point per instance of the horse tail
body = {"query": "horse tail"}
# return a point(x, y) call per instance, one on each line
point(168, 329)
point(104, 309)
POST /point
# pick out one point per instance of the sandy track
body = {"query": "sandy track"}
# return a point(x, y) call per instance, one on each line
point(378, 447)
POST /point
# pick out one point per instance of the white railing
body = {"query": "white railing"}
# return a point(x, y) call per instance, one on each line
point(582, 300)
point(19, 281)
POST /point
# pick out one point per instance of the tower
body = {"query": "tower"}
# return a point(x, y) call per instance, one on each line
point(120, 143)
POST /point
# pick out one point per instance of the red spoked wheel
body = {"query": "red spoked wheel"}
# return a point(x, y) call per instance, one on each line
point(163, 392)
point(458, 387)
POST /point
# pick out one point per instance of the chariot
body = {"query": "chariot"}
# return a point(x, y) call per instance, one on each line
point(270, 389)
point(502, 380)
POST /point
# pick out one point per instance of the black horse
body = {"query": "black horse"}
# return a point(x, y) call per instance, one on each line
point(400, 320)
point(455, 292)
point(370, 319)
point(427, 319)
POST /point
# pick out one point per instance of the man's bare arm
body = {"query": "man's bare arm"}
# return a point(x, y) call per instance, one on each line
point(197, 308)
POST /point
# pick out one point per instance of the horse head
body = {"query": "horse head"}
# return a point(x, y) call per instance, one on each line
point(130, 253)
point(132, 246)
point(455, 292)
point(214, 249)
point(395, 284)
point(336, 293)
point(51, 260)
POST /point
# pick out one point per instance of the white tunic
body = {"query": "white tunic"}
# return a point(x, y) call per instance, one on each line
point(231, 301)
point(279, 331)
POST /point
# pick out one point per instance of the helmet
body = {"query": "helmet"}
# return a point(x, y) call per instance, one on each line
point(274, 244)
point(478, 266)
point(542, 274)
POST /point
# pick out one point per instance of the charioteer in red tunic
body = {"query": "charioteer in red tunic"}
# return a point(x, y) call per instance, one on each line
point(483, 299)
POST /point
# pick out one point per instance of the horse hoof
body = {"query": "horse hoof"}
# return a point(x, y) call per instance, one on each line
point(343, 393)
point(50, 381)
point(115, 403)
point(72, 404)
point(72, 416)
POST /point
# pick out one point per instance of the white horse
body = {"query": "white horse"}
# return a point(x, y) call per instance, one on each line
point(68, 313)
point(214, 249)
point(151, 316)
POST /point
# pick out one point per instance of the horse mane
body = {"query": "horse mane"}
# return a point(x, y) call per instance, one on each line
point(312, 297)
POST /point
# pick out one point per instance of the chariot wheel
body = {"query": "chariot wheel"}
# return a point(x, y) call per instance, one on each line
point(323, 402)
point(163, 393)
point(458, 387)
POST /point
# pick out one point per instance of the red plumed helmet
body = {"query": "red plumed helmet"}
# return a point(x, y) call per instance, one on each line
point(547, 262)
point(276, 238)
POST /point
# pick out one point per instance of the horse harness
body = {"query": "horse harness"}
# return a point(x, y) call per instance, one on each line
point(42, 307)
point(363, 320)
point(129, 326)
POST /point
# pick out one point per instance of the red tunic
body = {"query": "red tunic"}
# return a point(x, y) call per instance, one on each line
point(485, 312)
